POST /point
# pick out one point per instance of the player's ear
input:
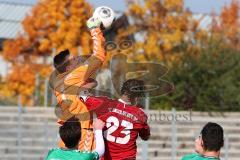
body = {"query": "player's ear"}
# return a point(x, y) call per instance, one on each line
point(68, 67)
point(134, 101)
point(201, 142)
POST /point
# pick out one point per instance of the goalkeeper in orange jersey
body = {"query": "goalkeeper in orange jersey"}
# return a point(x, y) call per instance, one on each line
point(69, 79)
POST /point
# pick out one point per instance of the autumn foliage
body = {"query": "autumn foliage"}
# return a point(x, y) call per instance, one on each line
point(228, 27)
point(50, 27)
point(161, 28)
point(164, 31)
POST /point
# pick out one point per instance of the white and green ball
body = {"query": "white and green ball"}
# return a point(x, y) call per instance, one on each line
point(106, 15)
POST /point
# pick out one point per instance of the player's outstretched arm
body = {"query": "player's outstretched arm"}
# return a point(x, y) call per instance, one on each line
point(93, 25)
point(84, 71)
point(100, 147)
point(95, 61)
point(78, 76)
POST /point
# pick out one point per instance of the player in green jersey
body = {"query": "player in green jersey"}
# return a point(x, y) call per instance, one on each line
point(208, 144)
point(70, 133)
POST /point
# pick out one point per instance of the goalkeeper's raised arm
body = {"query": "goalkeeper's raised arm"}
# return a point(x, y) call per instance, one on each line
point(98, 56)
point(72, 73)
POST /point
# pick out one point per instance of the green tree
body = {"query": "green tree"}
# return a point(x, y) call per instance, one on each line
point(209, 82)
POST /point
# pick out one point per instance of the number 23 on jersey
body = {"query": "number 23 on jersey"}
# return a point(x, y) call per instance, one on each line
point(113, 124)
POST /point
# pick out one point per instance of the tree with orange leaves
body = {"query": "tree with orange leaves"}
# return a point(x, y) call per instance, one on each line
point(225, 28)
point(229, 25)
point(51, 26)
point(161, 28)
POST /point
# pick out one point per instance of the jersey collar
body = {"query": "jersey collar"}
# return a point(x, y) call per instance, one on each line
point(122, 101)
point(211, 157)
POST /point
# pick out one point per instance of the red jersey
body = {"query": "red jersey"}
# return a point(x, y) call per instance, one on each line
point(124, 123)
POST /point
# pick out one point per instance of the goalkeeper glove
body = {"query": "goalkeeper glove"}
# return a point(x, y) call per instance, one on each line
point(93, 23)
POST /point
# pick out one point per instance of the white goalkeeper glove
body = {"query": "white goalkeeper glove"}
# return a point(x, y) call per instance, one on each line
point(93, 22)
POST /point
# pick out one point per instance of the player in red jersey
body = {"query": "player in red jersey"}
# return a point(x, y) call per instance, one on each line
point(125, 121)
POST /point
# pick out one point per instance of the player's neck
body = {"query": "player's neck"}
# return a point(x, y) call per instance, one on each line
point(211, 154)
point(124, 99)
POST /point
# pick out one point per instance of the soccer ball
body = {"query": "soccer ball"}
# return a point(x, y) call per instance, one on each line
point(106, 16)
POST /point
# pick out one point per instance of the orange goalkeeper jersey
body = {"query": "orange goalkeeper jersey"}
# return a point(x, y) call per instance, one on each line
point(67, 87)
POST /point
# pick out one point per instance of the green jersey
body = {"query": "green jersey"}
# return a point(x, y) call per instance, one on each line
point(64, 154)
point(196, 156)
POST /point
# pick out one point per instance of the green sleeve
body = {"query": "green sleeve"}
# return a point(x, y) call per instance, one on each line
point(89, 156)
point(49, 154)
point(95, 156)
point(189, 156)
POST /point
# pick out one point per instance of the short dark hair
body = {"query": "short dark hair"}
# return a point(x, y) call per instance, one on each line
point(133, 88)
point(60, 61)
point(212, 136)
point(70, 132)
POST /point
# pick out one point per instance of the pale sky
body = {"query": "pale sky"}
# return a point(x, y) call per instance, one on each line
point(198, 6)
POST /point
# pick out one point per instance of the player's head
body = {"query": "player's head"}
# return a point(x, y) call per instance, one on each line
point(211, 138)
point(64, 62)
point(133, 89)
point(70, 132)
point(61, 61)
